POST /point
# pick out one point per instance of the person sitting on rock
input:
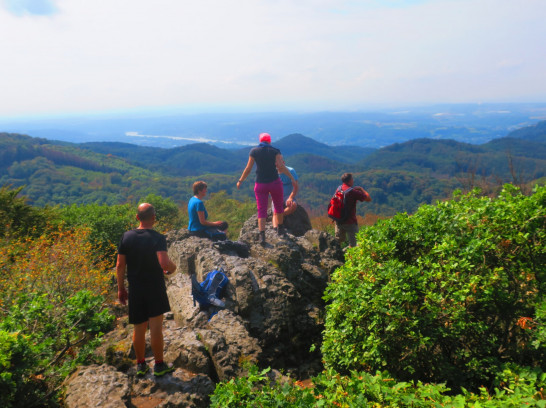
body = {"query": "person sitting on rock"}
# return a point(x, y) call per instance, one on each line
point(198, 224)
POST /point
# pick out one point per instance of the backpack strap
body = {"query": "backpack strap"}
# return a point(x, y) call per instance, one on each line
point(215, 282)
point(344, 191)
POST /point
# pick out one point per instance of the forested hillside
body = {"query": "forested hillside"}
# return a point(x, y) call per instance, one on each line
point(399, 177)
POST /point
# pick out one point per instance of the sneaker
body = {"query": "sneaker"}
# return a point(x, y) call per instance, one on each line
point(281, 231)
point(162, 369)
point(142, 369)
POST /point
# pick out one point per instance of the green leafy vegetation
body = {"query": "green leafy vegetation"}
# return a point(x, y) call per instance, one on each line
point(220, 207)
point(42, 339)
point(437, 296)
point(107, 223)
point(442, 308)
point(52, 302)
point(17, 219)
point(513, 388)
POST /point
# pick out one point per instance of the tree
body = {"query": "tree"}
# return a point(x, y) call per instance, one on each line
point(18, 219)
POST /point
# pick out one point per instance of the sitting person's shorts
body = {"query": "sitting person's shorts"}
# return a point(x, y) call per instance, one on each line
point(212, 233)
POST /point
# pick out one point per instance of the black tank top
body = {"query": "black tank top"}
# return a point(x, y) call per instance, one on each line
point(266, 170)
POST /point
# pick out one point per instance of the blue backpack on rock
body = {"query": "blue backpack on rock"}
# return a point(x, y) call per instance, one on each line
point(209, 292)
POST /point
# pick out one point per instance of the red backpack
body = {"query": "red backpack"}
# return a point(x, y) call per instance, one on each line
point(336, 208)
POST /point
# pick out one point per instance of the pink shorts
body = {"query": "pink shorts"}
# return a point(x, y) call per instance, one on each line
point(262, 191)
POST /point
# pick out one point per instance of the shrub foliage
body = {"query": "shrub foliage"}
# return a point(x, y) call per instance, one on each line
point(513, 388)
point(447, 295)
point(52, 308)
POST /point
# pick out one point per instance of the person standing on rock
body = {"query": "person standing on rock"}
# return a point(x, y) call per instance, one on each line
point(143, 252)
point(349, 227)
point(268, 159)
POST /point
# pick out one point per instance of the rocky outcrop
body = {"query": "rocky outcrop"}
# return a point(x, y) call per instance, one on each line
point(272, 317)
point(298, 223)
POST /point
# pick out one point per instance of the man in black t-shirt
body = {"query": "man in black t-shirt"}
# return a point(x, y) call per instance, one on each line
point(143, 252)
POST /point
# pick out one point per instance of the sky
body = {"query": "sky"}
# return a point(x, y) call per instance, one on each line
point(74, 56)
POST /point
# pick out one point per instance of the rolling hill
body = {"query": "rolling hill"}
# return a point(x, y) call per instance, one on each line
point(399, 177)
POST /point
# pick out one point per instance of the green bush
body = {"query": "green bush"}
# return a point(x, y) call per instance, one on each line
point(168, 214)
point(42, 339)
point(515, 388)
point(17, 359)
point(107, 223)
point(257, 390)
point(444, 295)
point(18, 219)
point(222, 208)
point(83, 311)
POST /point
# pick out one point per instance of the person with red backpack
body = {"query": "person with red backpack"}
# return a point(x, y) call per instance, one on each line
point(346, 223)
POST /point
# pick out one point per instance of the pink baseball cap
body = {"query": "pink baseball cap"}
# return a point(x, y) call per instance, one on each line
point(265, 137)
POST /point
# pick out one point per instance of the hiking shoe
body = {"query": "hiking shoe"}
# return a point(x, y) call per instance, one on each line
point(142, 369)
point(162, 369)
point(281, 231)
point(262, 238)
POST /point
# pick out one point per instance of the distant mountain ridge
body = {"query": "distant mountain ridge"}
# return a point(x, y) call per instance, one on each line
point(204, 158)
point(399, 176)
point(535, 133)
point(469, 123)
point(525, 147)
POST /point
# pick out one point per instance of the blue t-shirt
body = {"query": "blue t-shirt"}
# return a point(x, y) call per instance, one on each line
point(194, 205)
point(287, 183)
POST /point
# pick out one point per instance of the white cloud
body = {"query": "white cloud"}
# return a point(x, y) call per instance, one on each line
point(115, 54)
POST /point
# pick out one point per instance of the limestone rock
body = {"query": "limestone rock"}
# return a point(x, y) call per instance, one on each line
point(97, 386)
point(228, 343)
point(273, 315)
point(179, 389)
point(298, 223)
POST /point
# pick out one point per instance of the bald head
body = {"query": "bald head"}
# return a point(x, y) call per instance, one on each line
point(145, 212)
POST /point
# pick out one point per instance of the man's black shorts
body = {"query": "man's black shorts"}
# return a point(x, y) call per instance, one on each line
point(147, 302)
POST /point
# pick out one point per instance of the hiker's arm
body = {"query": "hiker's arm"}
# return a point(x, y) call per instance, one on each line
point(246, 171)
point(120, 274)
point(203, 221)
point(366, 196)
point(165, 262)
point(293, 193)
point(279, 161)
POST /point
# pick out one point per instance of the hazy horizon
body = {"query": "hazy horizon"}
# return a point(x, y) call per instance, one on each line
point(106, 57)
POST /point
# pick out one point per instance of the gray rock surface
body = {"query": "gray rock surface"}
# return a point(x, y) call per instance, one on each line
point(98, 386)
point(272, 317)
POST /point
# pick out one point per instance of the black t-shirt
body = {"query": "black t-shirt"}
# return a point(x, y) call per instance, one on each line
point(266, 170)
point(140, 247)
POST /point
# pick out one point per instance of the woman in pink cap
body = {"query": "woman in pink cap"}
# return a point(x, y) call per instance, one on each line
point(268, 159)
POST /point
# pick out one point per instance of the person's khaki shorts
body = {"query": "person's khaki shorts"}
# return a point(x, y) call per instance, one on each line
point(346, 230)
